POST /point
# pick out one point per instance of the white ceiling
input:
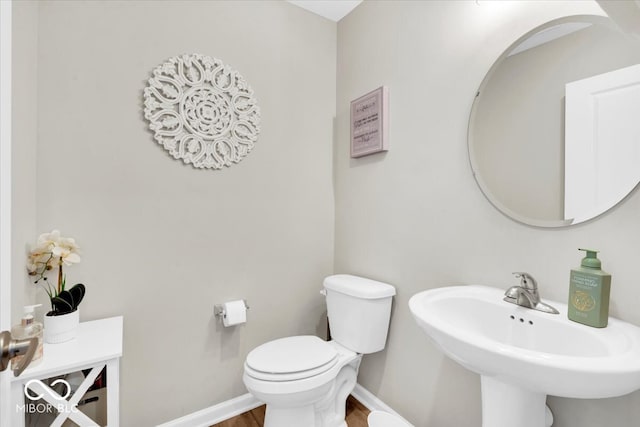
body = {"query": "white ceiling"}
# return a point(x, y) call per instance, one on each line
point(625, 13)
point(334, 10)
point(549, 34)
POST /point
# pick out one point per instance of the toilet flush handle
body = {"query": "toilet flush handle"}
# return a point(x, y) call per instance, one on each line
point(323, 292)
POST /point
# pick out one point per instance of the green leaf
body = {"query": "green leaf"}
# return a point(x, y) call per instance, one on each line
point(77, 291)
point(63, 303)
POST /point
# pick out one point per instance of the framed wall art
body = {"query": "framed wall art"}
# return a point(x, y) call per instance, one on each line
point(370, 123)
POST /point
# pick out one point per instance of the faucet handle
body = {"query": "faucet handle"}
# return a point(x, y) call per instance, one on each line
point(526, 280)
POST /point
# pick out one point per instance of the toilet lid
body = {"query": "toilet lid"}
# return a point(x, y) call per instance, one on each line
point(291, 355)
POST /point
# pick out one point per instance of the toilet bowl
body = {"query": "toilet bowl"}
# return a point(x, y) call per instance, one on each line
point(304, 380)
point(303, 391)
point(385, 419)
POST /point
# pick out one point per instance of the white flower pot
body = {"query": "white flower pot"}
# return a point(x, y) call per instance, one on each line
point(58, 329)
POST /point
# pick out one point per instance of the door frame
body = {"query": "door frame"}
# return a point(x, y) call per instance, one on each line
point(5, 196)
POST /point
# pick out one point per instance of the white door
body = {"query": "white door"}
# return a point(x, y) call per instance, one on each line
point(602, 141)
point(5, 197)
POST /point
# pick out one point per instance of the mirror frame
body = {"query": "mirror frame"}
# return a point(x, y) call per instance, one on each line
point(484, 188)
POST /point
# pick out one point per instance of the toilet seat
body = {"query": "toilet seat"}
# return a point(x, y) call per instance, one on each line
point(258, 381)
point(291, 359)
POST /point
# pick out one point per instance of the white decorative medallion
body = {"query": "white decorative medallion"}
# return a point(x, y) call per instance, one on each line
point(202, 111)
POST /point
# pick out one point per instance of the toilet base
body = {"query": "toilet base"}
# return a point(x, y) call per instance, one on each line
point(331, 411)
point(321, 407)
point(280, 417)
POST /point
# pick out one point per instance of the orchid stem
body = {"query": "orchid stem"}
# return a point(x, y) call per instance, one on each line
point(60, 282)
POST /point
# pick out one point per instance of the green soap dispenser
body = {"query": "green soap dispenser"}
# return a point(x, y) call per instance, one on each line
point(589, 289)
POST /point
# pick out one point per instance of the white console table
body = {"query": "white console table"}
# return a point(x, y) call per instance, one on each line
point(98, 344)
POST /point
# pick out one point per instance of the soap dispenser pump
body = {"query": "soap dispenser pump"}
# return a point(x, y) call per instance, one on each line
point(29, 328)
point(589, 290)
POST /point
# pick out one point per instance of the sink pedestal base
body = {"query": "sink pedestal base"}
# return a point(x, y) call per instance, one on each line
point(506, 405)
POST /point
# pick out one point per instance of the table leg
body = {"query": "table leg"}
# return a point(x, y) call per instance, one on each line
point(113, 393)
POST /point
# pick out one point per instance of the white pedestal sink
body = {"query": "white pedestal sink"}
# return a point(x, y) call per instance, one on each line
point(523, 355)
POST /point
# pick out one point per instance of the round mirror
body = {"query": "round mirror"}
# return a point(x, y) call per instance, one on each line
point(554, 132)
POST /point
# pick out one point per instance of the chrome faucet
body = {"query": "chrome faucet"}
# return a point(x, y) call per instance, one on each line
point(526, 295)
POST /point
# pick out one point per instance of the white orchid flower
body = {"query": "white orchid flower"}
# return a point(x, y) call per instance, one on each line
point(51, 253)
point(69, 243)
point(49, 257)
point(66, 255)
point(47, 241)
point(31, 265)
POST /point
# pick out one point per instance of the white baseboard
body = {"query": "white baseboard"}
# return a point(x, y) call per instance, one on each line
point(238, 405)
point(216, 413)
point(371, 401)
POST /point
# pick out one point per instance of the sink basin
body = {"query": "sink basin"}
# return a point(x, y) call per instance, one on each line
point(527, 354)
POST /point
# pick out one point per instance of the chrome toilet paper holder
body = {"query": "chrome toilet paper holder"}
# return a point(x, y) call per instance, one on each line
point(219, 311)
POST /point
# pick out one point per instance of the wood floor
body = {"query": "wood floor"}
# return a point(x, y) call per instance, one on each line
point(356, 416)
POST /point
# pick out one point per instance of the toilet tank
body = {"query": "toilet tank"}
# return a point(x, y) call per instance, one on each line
point(358, 310)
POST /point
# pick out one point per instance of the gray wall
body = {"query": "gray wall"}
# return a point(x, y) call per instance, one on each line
point(414, 217)
point(24, 100)
point(161, 241)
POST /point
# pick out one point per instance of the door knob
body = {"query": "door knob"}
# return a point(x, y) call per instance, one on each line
point(10, 348)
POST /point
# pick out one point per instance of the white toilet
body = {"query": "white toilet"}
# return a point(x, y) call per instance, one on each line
point(304, 380)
